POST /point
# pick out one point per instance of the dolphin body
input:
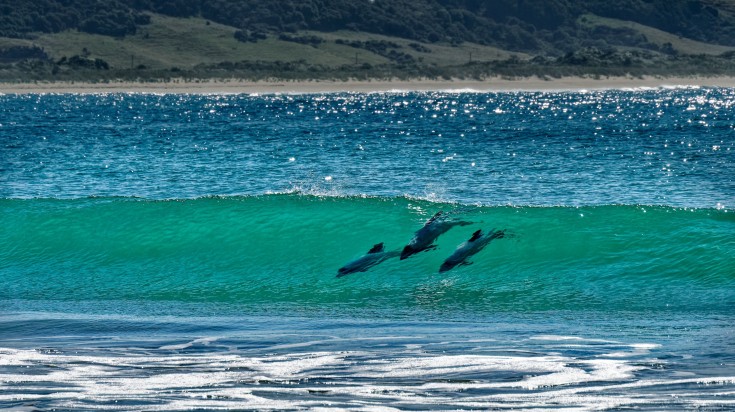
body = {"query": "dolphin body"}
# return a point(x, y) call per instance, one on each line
point(469, 248)
point(424, 238)
point(374, 256)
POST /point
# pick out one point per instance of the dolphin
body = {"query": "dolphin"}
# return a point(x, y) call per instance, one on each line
point(424, 238)
point(374, 256)
point(469, 248)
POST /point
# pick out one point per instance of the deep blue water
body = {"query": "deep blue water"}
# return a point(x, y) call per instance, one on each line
point(179, 252)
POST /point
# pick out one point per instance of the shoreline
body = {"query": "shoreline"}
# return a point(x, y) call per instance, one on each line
point(235, 86)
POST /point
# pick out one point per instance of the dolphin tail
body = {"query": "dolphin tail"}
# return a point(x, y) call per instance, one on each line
point(433, 218)
point(507, 235)
point(499, 234)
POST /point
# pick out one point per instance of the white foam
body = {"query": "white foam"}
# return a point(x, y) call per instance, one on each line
point(362, 380)
point(204, 341)
point(557, 338)
point(645, 346)
point(437, 366)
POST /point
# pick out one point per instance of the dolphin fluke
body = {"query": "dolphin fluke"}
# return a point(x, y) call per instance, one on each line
point(433, 218)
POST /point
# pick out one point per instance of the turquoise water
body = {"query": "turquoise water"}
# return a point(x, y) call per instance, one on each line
point(178, 252)
point(286, 249)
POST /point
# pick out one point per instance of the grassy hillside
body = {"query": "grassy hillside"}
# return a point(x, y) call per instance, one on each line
point(188, 42)
point(193, 47)
point(661, 39)
point(534, 26)
point(184, 43)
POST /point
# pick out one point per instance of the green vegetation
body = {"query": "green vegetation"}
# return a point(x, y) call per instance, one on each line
point(153, 40)
point(520, 25)
point(631, 33)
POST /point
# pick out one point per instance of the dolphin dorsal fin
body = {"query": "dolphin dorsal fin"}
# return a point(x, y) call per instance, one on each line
point(377, 248)
point(476, 235)
point(433, 218)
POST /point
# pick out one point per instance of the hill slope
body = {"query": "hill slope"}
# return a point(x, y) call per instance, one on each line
point(139, 39)
point(549, 26)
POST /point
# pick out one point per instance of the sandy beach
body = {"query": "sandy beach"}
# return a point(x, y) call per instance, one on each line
point(236, 86)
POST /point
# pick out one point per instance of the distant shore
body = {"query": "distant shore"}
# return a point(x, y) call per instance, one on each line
point(235, 86)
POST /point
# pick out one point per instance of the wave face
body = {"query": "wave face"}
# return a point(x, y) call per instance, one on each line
point(285, 249)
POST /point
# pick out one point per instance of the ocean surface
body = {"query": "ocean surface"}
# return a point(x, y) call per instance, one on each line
point(180, 252)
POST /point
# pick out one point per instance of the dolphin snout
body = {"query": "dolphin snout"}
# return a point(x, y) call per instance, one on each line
point(446, 266)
